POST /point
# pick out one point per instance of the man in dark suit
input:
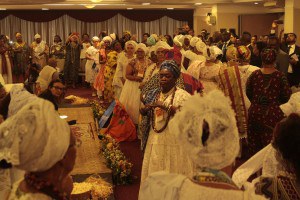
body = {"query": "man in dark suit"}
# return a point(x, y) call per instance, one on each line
point(282, 59)
point(225, 45)
point(293, 51)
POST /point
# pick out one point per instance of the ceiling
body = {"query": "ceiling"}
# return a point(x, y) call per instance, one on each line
point(130, 4)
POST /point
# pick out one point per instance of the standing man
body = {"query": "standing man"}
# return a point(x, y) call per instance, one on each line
point(293, 51)
point(282, 58)
point(40, 51)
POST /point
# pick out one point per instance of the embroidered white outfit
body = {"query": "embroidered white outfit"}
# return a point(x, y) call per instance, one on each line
point(90, 72)
point(163, 151)
point(165, 186)
point(37, 50)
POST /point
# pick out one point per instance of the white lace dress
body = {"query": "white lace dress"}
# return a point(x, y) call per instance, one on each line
point(206, 73)
point(163, 152)
point(165, 186)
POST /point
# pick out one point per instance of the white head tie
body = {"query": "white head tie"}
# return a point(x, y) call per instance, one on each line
point(178, 40)
point(201, 47)
point(113, 36)
point(143, 47)
point(222, 145)
point(193, 41)
point(35, 138)
point(162, 45)
point(131, 42)
point(95, 39)
point(107, 38)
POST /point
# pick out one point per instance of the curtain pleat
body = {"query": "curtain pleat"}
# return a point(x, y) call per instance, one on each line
point(65, 24)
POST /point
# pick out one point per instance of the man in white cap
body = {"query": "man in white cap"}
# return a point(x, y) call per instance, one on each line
point(40, 51)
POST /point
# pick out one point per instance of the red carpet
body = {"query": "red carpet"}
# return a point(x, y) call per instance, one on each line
point(130, 149)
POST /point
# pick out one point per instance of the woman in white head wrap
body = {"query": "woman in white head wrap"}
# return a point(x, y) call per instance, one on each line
point(160, 50)
point(207, 71)
point(40, 50)
point(197, 53)
point(37, 141)
point(123, 60)
point(206, 129)
point(135, 74)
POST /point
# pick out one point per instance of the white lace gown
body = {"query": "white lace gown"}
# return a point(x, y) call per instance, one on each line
point(166, 186)
point(206, 73)
point(163, 152)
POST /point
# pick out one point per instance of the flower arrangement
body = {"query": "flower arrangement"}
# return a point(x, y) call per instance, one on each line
point(98, 110)
point(116, 160)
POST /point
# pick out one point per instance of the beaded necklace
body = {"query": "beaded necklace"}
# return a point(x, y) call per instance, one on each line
point(44, 187)
point(168, 111)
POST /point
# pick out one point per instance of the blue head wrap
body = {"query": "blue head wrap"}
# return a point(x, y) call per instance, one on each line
point(172, 66)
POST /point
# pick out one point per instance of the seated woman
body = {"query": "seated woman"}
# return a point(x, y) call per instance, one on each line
point(207, 131)
point(37, 141)
point(54, 93)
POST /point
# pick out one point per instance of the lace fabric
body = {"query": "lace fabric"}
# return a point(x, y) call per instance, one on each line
point(222, 145)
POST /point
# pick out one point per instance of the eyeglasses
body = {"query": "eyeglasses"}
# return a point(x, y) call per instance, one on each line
point(59, 88)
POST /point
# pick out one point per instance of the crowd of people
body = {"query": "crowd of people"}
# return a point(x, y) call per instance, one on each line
point(193, 99)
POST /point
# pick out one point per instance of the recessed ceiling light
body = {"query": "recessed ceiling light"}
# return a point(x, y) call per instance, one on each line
point(145, 4)
point(89, 6)
point(255, 3)
point(170, 8)
point(198, 4)
point(45, 8)
point(129, 8)
point(2, 8)
point(95, 1)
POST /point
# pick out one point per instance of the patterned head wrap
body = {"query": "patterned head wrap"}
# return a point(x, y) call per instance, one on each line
point(151, 41)
point(131, 42)
point(244, 53)
point(37, 36)
point(268, 56)
point(216, 146)
point(126, 33)
point(172, 66)
point(112, 58)
point(35, 138)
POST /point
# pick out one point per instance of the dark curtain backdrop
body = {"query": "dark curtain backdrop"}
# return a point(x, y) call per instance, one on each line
point(99, 15)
